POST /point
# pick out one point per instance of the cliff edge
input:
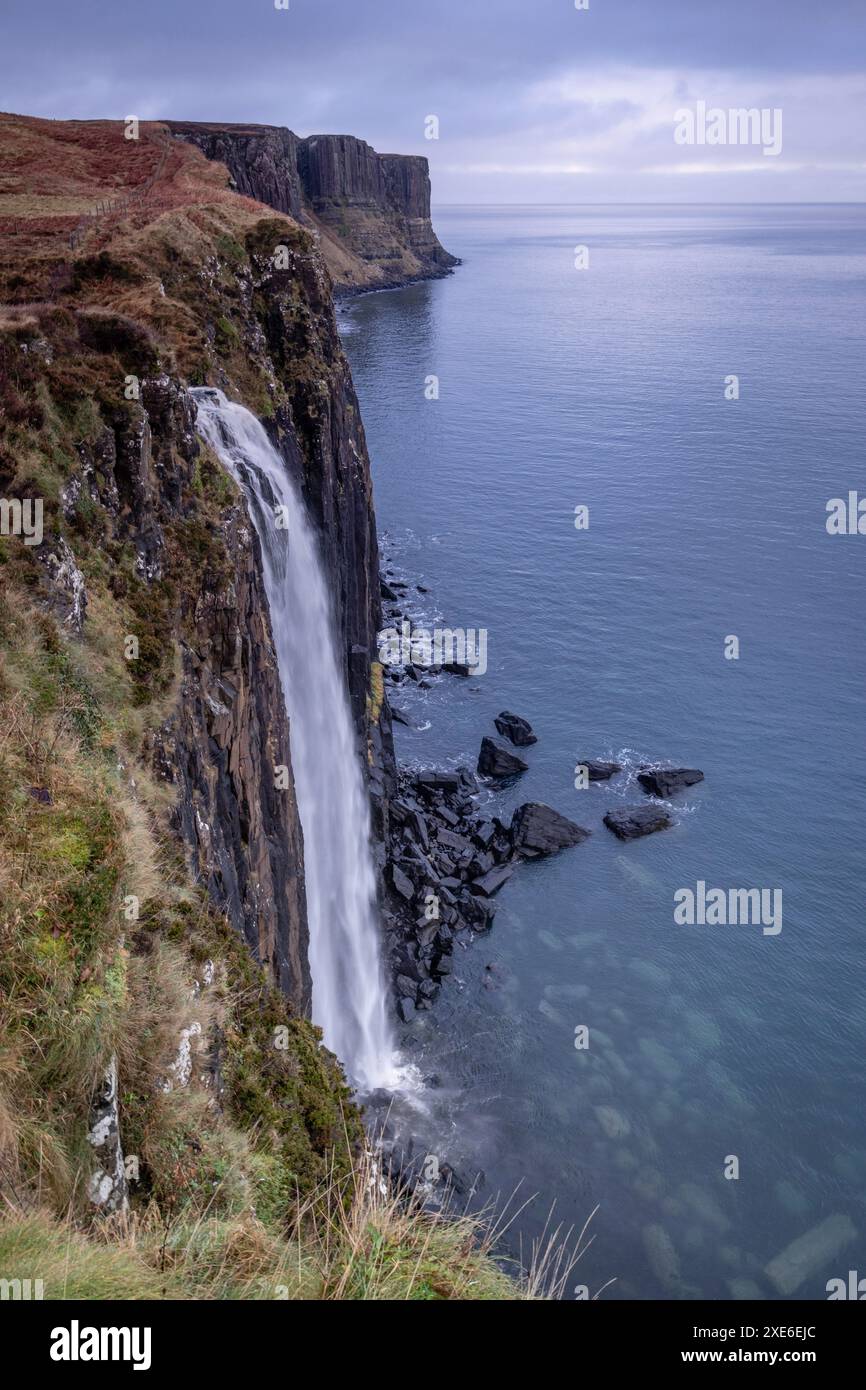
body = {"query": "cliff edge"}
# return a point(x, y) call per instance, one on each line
point(371, 211)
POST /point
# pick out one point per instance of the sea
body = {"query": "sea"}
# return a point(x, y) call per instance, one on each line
point(617, 441)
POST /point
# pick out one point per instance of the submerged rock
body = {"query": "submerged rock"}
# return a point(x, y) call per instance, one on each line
point(495, 761)
point(615, 1125)
point(518, 731)
point(806, 1256)
point(537, 829)
point(745, 1290)
point(633, 821)
point(662, 1256)
point(664, 781)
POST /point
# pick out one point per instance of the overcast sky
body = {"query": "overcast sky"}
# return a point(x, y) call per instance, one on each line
point(536, 100)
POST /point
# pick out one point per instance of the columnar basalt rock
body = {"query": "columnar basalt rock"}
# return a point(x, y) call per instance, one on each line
point(228, 734)
point(223, 749)
point(371, 211)
point(262, 159)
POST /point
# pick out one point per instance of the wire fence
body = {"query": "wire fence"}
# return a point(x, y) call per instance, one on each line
point(107, 206)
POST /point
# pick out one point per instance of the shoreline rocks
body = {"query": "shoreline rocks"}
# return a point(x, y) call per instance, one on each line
point(447, 861)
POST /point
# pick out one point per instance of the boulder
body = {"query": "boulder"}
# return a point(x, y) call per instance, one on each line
point(453, 841)
point(597, 769)
point(481, 864)
point(478, 912)
point(633, 821)
point(517, 730)
point(664, 781)
point(537, 829)
point(492, 882)
point(438, 781)
point(402, 883)
point(495, 761)
point(418, 823)
point(457, 668)
point(483, 833)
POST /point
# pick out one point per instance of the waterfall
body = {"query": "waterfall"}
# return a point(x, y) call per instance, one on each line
point(349, 998)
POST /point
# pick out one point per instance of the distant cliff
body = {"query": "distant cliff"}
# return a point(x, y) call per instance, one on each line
point(371, 211)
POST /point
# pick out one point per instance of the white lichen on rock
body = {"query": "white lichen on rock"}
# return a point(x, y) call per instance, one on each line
point(107, 1187)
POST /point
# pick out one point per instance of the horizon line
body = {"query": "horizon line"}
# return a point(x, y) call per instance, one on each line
point(671, 203)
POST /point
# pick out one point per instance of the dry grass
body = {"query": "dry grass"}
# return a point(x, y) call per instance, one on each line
point(54, 172)
point(353, 1239)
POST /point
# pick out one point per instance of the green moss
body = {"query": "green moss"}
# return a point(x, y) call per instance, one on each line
point(230, 249)
point(227, 336)
point(152, 607)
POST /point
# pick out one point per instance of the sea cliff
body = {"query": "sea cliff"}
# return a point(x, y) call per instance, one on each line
point(371, 211)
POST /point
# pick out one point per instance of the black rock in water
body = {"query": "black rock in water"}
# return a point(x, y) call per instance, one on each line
point(495, 761)
point(633, 821)
point(664, 781)
point(537, 829)
point(492, 882)
point(598, 770)
point(457, 668)
point(517, 730)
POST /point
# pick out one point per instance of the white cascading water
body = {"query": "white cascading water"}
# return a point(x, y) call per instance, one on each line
point(349, 999)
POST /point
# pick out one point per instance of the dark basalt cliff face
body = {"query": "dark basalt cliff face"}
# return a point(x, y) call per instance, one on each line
point(319, 432)
point(262, 160)
point(205, 287)
point(372, 211)
point(228, 729)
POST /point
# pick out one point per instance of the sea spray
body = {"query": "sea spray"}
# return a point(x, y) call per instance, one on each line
point(349, 996)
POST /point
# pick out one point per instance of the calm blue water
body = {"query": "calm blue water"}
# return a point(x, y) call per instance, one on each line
point(604, 387)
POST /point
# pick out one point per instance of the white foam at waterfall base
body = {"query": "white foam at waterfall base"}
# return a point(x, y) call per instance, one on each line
point(349, 995)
